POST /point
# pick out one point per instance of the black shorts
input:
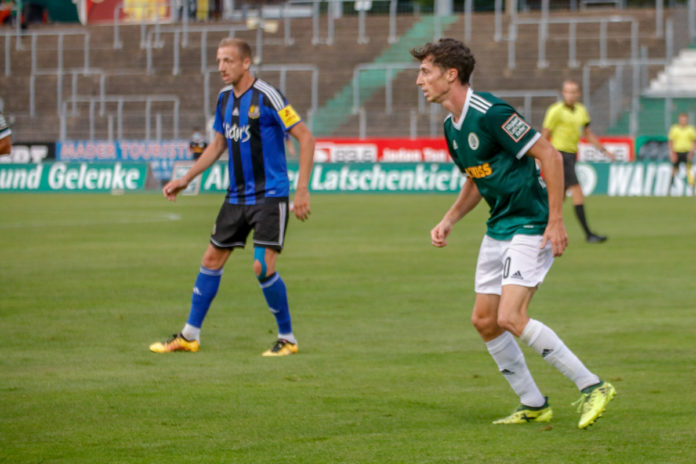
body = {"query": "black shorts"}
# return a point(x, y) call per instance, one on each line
point(268, 219)
point(569, 176)
point(682, 158)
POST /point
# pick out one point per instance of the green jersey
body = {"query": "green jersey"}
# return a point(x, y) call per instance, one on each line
point(488, 144)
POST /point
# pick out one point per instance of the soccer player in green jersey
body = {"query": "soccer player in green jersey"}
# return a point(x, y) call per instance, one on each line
point(498, 152)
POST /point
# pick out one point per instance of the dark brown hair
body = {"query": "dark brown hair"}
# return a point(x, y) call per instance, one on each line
point(447, 54)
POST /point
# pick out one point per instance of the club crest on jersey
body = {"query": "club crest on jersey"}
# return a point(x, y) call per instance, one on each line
point(473, 141)
point(515, 127)
point(254, 112)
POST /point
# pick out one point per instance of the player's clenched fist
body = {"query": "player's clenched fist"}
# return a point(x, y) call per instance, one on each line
point(439, 233)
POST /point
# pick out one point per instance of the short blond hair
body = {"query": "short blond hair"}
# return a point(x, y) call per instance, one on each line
point(242, 46)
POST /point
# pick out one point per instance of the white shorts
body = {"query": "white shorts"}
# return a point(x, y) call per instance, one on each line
point(519, 261)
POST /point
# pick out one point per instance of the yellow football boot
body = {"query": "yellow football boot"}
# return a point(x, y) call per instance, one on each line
point(281, 347)
point(177, 342)
point(593, 403)
point(525, 414)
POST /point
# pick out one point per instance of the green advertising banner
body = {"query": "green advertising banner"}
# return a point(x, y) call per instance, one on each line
point(643, 179)
point(349, 177)
point(613, 179)
point(73, 177)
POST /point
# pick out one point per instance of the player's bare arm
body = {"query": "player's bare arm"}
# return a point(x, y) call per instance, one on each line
point(207, 158)
point(5, 146)
point(467, 199)
point(552, 167)
point(306, 140)
point(592, 138)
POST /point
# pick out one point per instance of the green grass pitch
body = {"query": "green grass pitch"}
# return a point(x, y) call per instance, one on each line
point(390, 369)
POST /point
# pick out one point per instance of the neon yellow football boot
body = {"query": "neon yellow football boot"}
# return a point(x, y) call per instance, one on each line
point(594, 402)
point(177, 342)
point(281, 347)
point(525, 414)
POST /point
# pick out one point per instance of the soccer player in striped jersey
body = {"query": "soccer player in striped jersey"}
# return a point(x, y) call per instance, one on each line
point(497, 151)
point(251, 121)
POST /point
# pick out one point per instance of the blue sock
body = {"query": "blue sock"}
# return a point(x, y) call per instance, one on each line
point(276, 295)
point(204, 291)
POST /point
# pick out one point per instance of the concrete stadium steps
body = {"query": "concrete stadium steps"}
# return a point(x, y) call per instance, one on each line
point(492, 74)
point(126, 69)
point(336, 111)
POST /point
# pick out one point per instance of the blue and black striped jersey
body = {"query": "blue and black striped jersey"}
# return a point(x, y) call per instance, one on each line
point(254, 125)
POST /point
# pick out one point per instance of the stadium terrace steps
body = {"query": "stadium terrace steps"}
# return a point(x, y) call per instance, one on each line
point(125, 71)
point(678, 78)
point(335, 112)
point(491, 72)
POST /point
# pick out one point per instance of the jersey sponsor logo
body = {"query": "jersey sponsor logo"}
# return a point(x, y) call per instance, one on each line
point(289, 116)
point(473, 141)
point(477, 172)
point(235, 111)
point(515, 127)
point(454, 144)
point(254, 112)
point(237, 133)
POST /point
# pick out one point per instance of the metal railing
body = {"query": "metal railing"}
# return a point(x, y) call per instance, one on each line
point(527, 96)
point(389, 69)
point(638, 79)
point(434, 112)
point(74, 73)
point(333, 11)
point(8, 54)
point(177, 31)
point(283, 69)
point(616, 88)
point(120, 101)
point(659, 14)
point(60, 49)
point(119, 8)
point(572, 25)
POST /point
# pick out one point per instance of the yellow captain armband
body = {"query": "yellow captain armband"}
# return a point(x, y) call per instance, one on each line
point(289, 116)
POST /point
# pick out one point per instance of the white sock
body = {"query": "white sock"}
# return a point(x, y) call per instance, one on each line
point(191, 332)
point(545, 342)
point(289, 337)
point(510, 360)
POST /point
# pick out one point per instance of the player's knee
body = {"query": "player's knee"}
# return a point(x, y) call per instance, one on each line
point(510, 324)
point(483, 324)
point(214, 259)
point(260, 267)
